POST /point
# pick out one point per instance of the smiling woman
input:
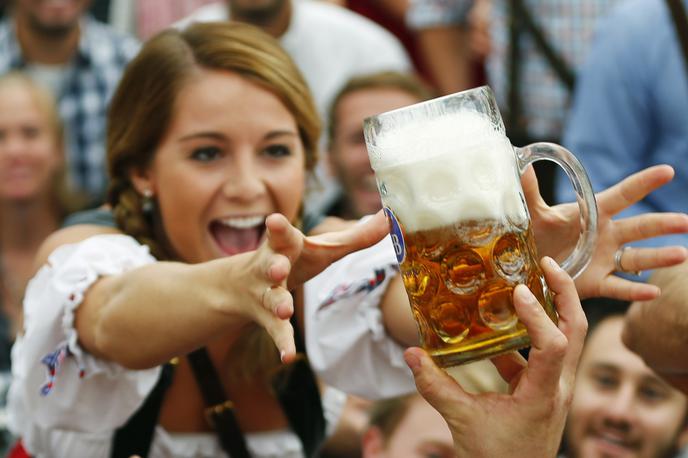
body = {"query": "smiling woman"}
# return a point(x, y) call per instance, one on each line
point(210, 135)
point(34, 195)
point(218, 172)
point(211, 131)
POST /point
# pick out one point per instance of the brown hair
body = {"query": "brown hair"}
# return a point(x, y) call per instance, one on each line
point(405, 82)
point(386, 415)
point(143, 105)
point(142, 109)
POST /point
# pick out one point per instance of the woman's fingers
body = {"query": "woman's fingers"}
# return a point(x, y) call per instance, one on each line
point(638, 259)
point(650, 225)
point(434, 384)
point(282, 334)
point(279, 301)
point(633, 188)
point(626, 290)
point(278, 268)
point(320, 251)
point(353, 237)
point(282, 237)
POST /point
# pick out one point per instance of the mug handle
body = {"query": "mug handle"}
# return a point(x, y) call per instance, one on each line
point(578, 260)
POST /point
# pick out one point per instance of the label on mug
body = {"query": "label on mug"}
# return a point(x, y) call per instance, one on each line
point(396, 234)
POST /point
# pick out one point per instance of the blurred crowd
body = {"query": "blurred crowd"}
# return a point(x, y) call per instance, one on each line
point(607, 79)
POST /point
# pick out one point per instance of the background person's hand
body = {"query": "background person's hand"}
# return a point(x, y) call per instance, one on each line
point(529, 421)
point(556, 231)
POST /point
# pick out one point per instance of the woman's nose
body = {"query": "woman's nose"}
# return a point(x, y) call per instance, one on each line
point(244, 182)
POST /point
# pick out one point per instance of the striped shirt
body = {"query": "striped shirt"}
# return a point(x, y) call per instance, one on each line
point(567, 25)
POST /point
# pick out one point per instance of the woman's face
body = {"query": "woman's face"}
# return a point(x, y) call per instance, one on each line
point(232, 155)
point(29, 152)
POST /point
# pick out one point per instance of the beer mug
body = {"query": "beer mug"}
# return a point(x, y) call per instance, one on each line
point(449, 180)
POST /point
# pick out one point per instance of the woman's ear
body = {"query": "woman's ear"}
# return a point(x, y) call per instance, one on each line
point(142, 180)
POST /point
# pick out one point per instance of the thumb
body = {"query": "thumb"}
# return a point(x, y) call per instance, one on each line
point(434, 384)
point(283, 238)
point(354, 238)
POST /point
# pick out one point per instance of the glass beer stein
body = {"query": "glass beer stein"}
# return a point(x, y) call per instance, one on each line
point(449, 180)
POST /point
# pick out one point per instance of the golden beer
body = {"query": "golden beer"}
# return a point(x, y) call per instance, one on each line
point(460, 280)
point(449, 181)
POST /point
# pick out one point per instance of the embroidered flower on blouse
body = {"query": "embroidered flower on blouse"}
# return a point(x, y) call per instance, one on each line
point(54, 361)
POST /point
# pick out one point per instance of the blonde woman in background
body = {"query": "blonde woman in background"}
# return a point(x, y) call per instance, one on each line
point(34, 197)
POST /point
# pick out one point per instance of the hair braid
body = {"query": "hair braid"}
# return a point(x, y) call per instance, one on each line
point(127, 209)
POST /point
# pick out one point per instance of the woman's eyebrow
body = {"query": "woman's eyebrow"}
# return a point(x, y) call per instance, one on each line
point(280, 133)
point(208, 135)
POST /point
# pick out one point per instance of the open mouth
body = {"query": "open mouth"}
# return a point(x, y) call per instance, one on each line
point(238, 234)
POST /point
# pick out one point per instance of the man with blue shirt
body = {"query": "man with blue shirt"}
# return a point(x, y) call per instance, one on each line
point(630, 108)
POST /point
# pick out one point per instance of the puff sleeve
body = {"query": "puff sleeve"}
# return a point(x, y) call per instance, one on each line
point(56, 383)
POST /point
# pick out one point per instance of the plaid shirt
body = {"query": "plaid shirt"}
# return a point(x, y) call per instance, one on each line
point(568, 25)
point(92, 77)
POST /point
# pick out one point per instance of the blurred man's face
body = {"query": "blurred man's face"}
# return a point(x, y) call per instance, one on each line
point(52, 17)
point(256, 11)
point(620, 407)
point(348, 154)
point(422, 433)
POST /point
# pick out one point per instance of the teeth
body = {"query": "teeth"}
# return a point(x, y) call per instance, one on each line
point(243, 222)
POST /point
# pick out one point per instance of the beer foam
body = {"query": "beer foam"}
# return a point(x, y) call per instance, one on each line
point(453, 168)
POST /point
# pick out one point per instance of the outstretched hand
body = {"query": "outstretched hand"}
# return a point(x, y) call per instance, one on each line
point(557, 228)
point(287, 259)
point(528, 421)
point(272, 264)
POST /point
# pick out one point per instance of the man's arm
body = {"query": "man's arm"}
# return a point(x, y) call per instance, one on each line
point(658, 330)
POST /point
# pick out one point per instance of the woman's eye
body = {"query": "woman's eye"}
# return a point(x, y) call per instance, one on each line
point(277, 151)
point(30, 132)
point(205, 154)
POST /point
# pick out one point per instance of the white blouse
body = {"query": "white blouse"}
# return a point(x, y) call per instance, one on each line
point(64, 402)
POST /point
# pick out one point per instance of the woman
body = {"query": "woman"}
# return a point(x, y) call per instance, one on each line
point(33, 192)
point(211, 130)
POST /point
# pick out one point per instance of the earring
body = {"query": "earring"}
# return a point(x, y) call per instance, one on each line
point(147, 204)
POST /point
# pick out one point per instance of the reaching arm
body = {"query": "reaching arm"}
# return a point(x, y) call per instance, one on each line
point(143, 316)
point(556, 232)
point(446, 54)
point(658, 330)
point(442, 39)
